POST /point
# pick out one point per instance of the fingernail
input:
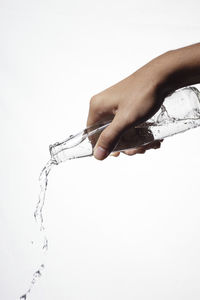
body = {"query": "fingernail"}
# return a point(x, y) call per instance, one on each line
point(100, 153)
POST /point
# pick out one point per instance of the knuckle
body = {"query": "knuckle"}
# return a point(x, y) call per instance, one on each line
point(95, 102)
point(92, 99)
point(128, 117)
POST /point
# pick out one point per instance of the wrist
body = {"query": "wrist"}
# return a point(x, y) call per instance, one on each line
point(177, 68)
point(163, 68)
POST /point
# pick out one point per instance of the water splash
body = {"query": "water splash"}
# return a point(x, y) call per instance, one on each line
point(36, 275)
point(38, 215)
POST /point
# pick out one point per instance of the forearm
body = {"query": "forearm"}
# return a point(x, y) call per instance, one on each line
point(177, 68)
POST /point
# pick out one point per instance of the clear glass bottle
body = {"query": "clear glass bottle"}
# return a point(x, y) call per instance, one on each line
point(180, 112)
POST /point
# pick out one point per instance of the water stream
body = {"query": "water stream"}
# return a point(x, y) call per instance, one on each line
point(38, 215)
point(173, 118)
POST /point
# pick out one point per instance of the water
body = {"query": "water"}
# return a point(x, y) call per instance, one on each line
point(36, 275)
point(38, 215)
point(177, 115)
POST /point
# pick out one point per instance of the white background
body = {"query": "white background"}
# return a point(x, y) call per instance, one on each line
point(126, 228)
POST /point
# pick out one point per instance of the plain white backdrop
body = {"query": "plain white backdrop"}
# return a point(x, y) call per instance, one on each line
point(126, 228)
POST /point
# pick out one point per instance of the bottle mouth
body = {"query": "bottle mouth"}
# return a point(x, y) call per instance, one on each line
point(52, 150)
point(66, 148)
point(79, 145)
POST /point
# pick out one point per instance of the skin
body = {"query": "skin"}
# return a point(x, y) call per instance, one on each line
point(137, 97)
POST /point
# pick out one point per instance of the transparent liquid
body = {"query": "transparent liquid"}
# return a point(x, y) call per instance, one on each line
point(38, 215)
point(168, 121)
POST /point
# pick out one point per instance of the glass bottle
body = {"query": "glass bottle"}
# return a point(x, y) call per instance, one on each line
point(180, 112)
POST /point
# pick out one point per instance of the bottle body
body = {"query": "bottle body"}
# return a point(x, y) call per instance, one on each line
point(179, 112)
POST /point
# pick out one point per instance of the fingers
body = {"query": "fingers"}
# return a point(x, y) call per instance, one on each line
point(142, 149)
point(110, 135)
point(115, 154)
point(93, 112)
point(100, 110)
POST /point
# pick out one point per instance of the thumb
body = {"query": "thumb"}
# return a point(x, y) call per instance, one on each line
point(109, 137)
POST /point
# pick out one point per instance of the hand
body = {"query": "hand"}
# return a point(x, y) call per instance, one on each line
point(131, 102)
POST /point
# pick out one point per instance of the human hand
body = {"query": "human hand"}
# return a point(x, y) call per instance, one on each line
point(131, 102)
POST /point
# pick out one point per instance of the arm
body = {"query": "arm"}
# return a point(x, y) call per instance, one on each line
point(137, 97)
